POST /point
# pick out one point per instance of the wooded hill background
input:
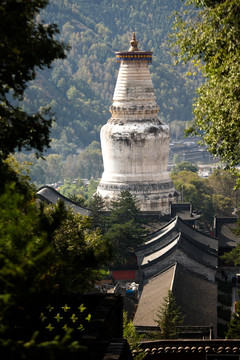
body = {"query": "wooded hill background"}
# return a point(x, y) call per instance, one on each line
point(79, 89)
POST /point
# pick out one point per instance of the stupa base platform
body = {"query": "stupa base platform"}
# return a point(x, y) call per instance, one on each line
point(151, 197)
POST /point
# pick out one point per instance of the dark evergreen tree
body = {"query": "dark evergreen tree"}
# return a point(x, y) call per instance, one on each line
point(207, 35)
point(78, 199)
point(97, 204)
point(125, 226)
point(234, 325)
point(169, 317)
point(124, 209)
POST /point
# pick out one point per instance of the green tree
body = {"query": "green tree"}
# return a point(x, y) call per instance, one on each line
point(185, 165)
point(53, 168)
point(45, 251)
point(224, 183)
point(97, 205)
point(207, 35)
point(177, 129)
point(92, 187)
point(69, 168)
point(89, 162)
point(80, 252)
point(194, 188)
point(133, 338)
point(26, 45)
point(26, 257)
point(176, 159)
point(125, 227)
point(199, 191)
point(78, 199)
point(124, 208)
point(234, 325)
point(169, 317)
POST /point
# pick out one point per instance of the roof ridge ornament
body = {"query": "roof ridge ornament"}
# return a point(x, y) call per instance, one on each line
point(133, 43)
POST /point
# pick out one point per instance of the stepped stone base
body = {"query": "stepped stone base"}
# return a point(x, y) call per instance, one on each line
point(151, 197)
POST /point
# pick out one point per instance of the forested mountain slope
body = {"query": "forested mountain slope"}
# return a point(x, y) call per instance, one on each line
point(80, 88)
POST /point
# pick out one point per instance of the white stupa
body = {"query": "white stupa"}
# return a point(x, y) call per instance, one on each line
point(135, 142)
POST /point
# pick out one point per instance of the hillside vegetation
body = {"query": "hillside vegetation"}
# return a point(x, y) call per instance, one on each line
point(79, 89)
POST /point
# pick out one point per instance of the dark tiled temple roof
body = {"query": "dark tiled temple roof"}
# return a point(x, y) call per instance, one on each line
point(162, 236)
point(51, 196)
point(196, 296)
point(185, 211)
point(174, 236)
point(152, 297)
point(190, 249)
point(223, 231)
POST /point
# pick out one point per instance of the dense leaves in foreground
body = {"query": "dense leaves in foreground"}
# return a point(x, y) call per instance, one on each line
point(208, 36)
point(44, 252)
point(26, 45)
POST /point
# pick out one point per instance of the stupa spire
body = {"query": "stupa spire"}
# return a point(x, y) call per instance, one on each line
point(134, 44)
point(133, 53)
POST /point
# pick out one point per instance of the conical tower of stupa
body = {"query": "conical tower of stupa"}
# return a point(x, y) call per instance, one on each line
point(135, 142)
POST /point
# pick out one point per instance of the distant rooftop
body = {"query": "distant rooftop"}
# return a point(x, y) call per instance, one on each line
point(51, 196)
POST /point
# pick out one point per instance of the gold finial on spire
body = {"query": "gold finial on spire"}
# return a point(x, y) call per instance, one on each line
point(133, 43)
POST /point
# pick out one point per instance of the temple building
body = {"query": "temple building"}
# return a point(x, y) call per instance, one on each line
point(179, 242)
point(135, 142)
point(183, 260)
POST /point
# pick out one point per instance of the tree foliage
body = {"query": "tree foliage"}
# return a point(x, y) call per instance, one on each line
point(234, 325)
point(54, 167)
point(26, 45)
point(80, 252)
point(25, 258)
point(81, 190)
point(97, 205)
point(133, 338)
point(206, 195)
point(124, 226)
point(45, 252)
point(208, 36)
point(124, 208)
point(169, 317)
point(223, 183)
point(185, 166)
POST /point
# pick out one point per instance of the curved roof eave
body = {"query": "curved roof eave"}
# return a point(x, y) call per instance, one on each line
point(158, 256)
point(51, 196)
